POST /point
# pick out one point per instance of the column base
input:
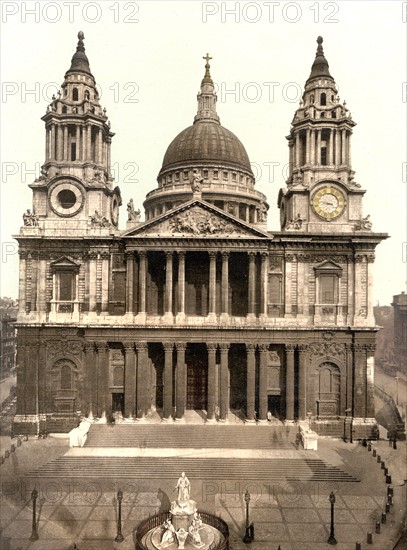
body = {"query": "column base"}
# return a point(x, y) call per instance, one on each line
point(212, 317)
point(263, 421)
point(210, 421)
point(141, 317)
point(143, 419)
point(263, 316)
point(251, 317)
point(129, 420)
point(224, 317)
point(223, 421)
point(168, 316)
point(180, 318)
point(250, 422)
point(180, 420)
point(168, 420)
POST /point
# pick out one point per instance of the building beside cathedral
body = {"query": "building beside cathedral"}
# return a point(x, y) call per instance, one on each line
point(199, 306)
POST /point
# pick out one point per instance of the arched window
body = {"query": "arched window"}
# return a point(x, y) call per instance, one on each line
point(323, 98)
point(87, 95)
point(75, 94)
point(333, 114)
point(64, 109)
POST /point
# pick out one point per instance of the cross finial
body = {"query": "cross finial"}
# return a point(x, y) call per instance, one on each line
point(207, 57)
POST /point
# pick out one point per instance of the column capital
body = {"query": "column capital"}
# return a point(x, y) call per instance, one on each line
point(225, 254)
point(128, 347)
point(168, 346)
point(88, 346)
point(252, 254)
point(168, 254)
point(224, 347)
point(303, 347)
point(142, 253)
point(181, 253)
point(141, 346)
point(180, 346)
point(263, 348)
point(264, 255)
point(213, 253)
point(251, 347)
point(290, 348)
point(211, 346)
point(129, 254)
point(101, 346)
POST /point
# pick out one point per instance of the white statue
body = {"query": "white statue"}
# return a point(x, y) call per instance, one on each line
point(183, 487)
point(169, 532)
point(196, 182)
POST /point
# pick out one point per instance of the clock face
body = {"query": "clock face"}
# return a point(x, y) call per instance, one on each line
point(66, 198)
point(328, 203)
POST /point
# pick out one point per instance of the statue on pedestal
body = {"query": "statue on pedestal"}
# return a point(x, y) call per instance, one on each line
point(196, 182)
point(183, 487)
point(132, 215)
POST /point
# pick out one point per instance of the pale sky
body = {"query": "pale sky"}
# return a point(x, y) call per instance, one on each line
point(147, 60)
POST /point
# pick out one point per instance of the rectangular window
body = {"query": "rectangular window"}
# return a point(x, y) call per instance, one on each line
point(66, 286)
point(323, 156)
point(73, 151)
point(327, 289)
point(275, 289)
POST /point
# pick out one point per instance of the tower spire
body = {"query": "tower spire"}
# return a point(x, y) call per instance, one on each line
point(320, 67)
point(80, 62)
point(207, 97)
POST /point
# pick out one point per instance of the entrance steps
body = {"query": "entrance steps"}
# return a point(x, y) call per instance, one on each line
point(271, 470)
point(195, 436)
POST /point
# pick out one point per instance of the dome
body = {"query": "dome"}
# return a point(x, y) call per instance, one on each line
point(206, 142)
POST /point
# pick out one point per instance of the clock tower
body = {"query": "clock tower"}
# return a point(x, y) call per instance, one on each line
point(322, 195)
point(74, 193)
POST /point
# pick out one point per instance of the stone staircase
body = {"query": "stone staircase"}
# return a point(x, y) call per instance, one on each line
point(183, 436)
point(271, 470)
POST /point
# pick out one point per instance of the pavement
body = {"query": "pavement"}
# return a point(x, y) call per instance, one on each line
point(289, 514)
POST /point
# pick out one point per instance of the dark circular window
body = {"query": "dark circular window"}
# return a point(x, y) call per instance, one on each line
point(67, 198)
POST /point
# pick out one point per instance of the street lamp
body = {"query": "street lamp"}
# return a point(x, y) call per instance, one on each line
point(247, 537)
point(119, 536)
point(397, 390)
point(34, 532)
point(332, 539)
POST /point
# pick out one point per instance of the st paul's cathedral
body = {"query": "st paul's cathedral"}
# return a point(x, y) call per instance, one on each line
point(199, 306)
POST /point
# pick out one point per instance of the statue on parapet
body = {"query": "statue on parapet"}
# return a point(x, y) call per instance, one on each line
point(132, 215)
point(30, 219)
point(196, 182)
point(99, 220)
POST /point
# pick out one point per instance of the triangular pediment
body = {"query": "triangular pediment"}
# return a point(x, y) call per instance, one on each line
point(64, 262)
point(328, 266)
point(197, 219)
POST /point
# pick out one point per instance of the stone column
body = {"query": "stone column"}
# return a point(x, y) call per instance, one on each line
point(343, 152)
point(99, 147)
point(102, 379)
point(212, 283)
point(84, 141)
point(129, 282)
point(318, 148)
point(312, 158)
point(224, 382)
point(263, 393)
point(181, 382)
point(251, 382)
point(168, 283)
point(181, 284)
point(360, 362)
point(52, 145)
point(264, 285)
point(89, 143)
point(168, 351)
point(41, 284)
point(289, 397)
point(252, 284)
point(337, 148)
point(104, 299)
point(90, 384)
point(142, 281)
point(302, 381)
point(59, 143)
point(297, 150)
point(129, 379)
point(349, 378)
point(78, 143)
point(22, 282)
point(349, 150)
point(92, 280)
point(47, 144)
point(65, 145)
point(330, 149)
point(225, 284)
point(142, 377)
point(211, 382)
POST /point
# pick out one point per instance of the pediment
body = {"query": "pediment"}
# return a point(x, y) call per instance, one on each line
point(64, 262)
point(328, 266)
point(197, 219)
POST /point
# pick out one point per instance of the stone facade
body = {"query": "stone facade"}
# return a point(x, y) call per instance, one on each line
point(199, 306)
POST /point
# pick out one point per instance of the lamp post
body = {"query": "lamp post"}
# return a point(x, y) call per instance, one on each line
point(119, 536)
point(332, 539)
point(34, 532)
point(397, 390)
point(247, 538)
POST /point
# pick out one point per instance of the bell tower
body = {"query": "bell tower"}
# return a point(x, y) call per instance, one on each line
point(75, 189)
point(322, 194)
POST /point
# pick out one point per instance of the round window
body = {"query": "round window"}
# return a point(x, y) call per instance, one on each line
point(66, 198)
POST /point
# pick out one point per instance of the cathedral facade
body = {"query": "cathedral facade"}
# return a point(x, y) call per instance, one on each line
point(199, 306)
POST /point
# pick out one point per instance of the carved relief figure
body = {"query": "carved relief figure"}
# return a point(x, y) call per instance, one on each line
point(296, 223)
point(364, 224)
point(98, 220)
